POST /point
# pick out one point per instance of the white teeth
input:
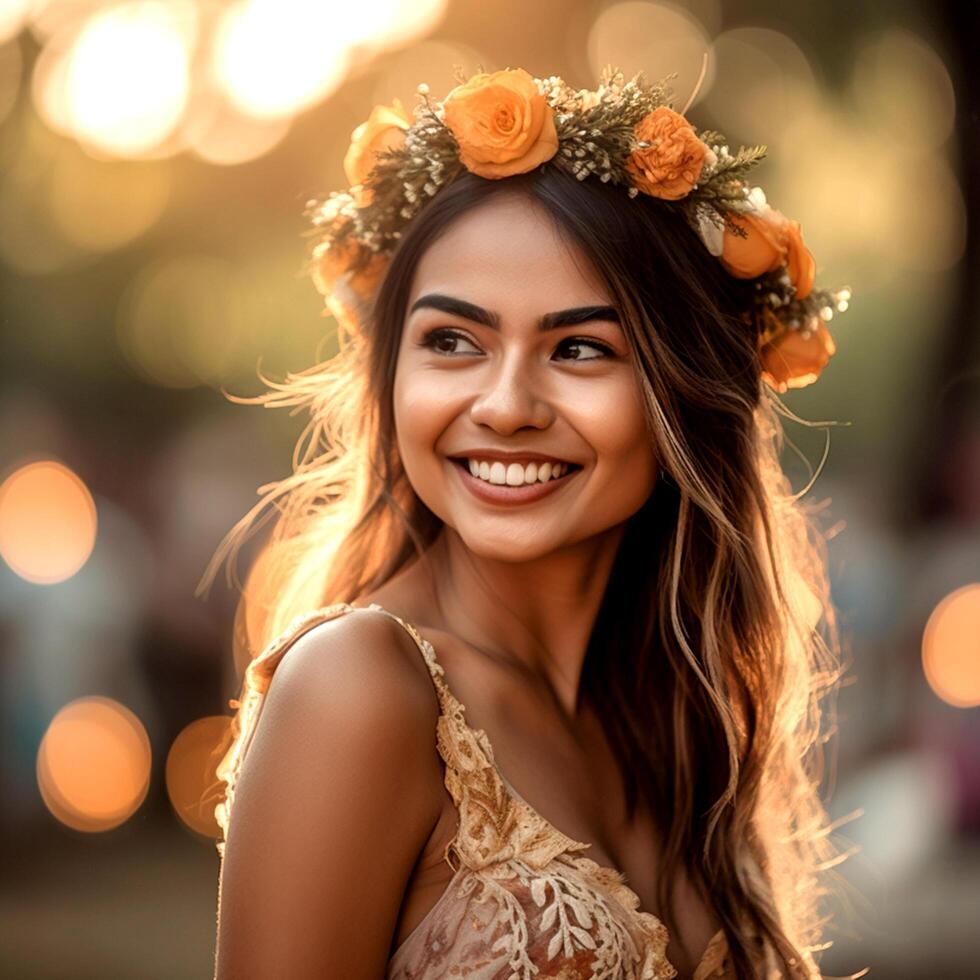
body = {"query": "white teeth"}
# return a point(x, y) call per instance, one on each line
point(515, 474)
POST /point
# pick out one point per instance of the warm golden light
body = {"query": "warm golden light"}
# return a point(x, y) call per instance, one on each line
point(103, 205)
point(93, 764)
point(951, 647)
point(382, 24)
point(654, 38)
point(190, 772)
point(265, 579)
point(126, 78)
point(400, 73)
point(47, 522)
point(904, 91)
point(218, 133)
point(849, 189)
point(13, 15)
point(195, 319)
point(762, 74)
point(11, 64)
point(276, 57)
point(51, 17)
point(179, 321)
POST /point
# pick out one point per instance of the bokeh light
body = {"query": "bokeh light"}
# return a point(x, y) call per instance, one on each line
point(904, 92)
point(11, 65)
point(378, 25)
point(655, 38)
point(951, 647)
point(428, 61)
point(30, 241)
point(126, 76)
point(766, 75)
point(101, 206)
point(180, 319)
point(48, 18)
point(190, 772)
point(220, 134)
point(93, 764)
point(13, 16)
point(48, 522)
point(276, 57)
point(198, 319)
point(850, 189)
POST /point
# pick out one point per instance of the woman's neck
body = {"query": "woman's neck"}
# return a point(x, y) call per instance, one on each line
point(535, 616)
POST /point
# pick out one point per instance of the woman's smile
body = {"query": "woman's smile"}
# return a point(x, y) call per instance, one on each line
point(492, 492)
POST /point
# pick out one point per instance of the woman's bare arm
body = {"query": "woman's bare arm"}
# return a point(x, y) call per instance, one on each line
point(337, 796)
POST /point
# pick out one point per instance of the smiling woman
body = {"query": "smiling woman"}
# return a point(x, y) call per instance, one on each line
point(548, 456)
point(539, 370)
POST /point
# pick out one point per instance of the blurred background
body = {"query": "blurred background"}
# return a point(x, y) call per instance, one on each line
point(155, 161)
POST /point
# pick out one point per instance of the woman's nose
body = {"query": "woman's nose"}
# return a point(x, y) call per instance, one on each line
point(508, 399)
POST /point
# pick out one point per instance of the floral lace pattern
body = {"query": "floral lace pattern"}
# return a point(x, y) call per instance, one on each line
point(524, 902)
point(554, 912)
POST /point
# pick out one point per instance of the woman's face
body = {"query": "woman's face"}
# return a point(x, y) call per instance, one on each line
point(468, 389)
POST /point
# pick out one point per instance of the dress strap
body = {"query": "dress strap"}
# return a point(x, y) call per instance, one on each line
point(447, 703)
point(495, 824)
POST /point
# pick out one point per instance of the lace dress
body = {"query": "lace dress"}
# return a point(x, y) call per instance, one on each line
point(524, 901)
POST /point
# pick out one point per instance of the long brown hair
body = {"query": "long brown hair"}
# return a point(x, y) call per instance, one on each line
point(716, 641)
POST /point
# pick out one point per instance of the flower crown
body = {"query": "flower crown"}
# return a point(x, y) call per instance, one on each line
point(625, 132)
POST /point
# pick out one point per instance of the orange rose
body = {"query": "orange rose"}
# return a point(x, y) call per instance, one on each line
point(365, 281)
point(502, 123)
point(799, 262)
point(773, 240)
point(791, 360)
point(762, 251)
point(331, 265)
point(330, 262)
point(347, 310)
point(672, 165)
point(383, 129)
point(350, 299)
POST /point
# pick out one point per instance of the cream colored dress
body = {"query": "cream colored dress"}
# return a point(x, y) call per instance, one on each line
point(524, 901)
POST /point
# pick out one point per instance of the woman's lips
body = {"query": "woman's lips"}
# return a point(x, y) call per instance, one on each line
point(496, 493)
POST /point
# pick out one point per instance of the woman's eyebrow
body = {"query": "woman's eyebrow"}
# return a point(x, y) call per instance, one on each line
point(489, 318)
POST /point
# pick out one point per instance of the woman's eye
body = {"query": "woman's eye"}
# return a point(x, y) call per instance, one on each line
point(576, 343)
point(442, 340)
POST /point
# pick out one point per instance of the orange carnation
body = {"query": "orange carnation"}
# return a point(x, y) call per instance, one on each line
point(772, 241)
point(502, 123)
point(671, 167)
point(792, 360)
point(383, 129)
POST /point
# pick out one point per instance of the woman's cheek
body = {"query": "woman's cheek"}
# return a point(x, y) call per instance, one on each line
point(608, 414)
point(424, 407)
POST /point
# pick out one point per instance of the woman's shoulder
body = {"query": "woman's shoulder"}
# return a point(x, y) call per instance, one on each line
point(342, 739)
point(360, 650)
